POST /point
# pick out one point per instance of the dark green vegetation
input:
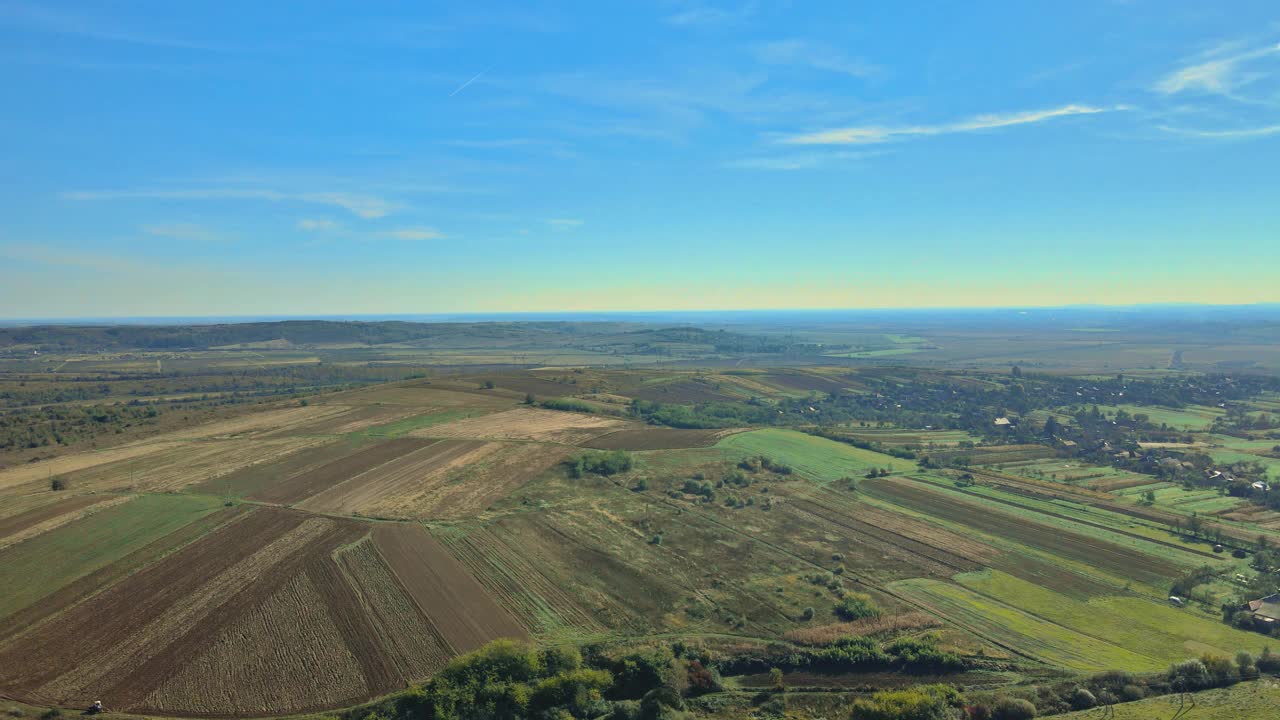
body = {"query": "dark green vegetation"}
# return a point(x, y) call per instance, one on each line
point(710, 524)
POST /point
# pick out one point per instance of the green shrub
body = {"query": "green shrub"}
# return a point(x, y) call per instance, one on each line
point(1013, 709)
point(856, 606)
point(925, 702)
point(1268, 661)
point(1082, 699)
point(609, 462)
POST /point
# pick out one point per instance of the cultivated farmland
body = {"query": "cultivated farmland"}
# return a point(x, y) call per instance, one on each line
point(311, 557)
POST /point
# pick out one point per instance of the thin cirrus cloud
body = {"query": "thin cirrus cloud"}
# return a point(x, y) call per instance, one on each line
point(872, 134)
point(1240, 133)
point(414, 233)
point(565, 223)
point(316, 225)
point(1219, 76)
point(817, 56)
point(365, 206)
point(184, 231)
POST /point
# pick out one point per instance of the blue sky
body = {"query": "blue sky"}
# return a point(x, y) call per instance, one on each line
point(191, 158)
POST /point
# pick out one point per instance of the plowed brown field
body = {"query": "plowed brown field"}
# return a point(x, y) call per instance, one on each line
point(311, 481)
point(466, 616)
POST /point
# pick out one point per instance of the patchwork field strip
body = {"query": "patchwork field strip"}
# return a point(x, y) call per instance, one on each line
point(540, 604)
point(414, 463)
point(1108, 557)
point(657, 439)
point(528, 424)
point(312, 481)
point(17, 528)
point(450, 479)
point(459, 607)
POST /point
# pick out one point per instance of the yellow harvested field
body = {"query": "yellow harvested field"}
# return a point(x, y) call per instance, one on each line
point(528, 424)
point(422, 396)
point(177, 466)
point(40, 472)
point(352, 418)
point(286, 653)
point(258, 422)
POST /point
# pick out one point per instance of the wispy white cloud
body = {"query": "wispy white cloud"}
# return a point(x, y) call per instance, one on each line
point(702, 14)
point(872, 134)
point(317, 225)
point(815, 55)
point(565, 223)
point(1239, 133)
point(184, 231)
point(415, 233)
point(1223, 74)
point(365, 206)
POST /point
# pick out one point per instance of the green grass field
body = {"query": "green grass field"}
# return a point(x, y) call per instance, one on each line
point(37, 567)
point(1256, 700)
point(813, 457)
point(1153, 629)
point(1018, 630)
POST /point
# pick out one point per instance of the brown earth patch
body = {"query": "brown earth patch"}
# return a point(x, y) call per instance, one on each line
point(313, 481)
point(658, 439)
point(527, 424)
point(466, 616)
point(806, 381)
point(284, 655)
point(412, 642)
point(539, 602)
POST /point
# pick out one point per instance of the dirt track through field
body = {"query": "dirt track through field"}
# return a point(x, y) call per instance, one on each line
point(465, 614)
point(1120, 561)
point(317, 480)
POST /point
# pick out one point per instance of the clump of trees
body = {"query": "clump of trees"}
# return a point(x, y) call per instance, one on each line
point(604, 462)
